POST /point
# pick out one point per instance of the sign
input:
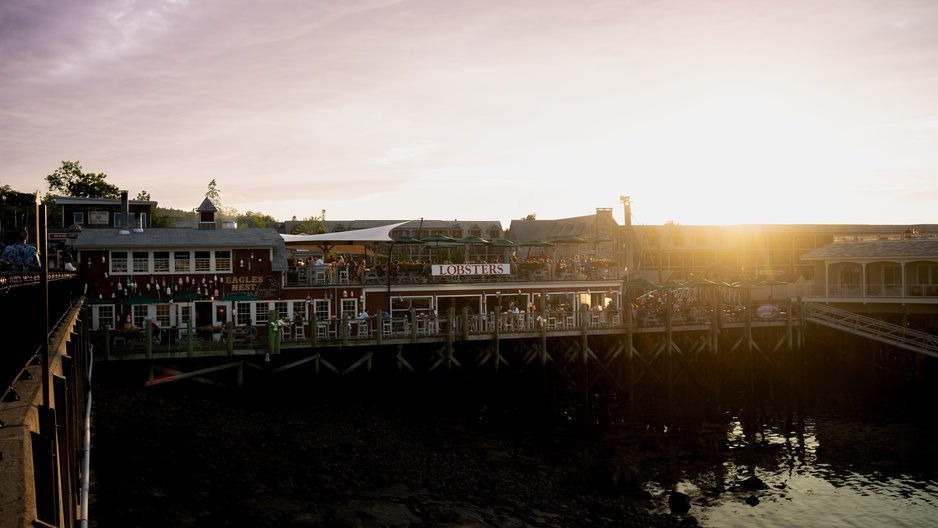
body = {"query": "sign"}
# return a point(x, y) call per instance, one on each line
point(58, 236)
point(98, 217)
point(768, 311)
point(445, 270)
point(258, 285)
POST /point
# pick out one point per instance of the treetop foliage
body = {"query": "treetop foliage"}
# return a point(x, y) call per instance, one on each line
point(69, 179)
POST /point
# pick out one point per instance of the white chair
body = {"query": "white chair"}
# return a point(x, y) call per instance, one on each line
point(300, 331)
point(343, 276)
point(363, 330)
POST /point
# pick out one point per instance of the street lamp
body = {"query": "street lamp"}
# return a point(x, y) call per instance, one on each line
point(627, 205)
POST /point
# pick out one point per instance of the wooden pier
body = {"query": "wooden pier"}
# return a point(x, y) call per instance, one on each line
point(667, 357)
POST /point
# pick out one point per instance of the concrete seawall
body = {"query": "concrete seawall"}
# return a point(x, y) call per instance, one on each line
point(41, 437)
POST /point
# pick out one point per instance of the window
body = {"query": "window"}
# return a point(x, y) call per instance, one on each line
point(203, 261)
point(161, 261)
point(141, 263)
point(222, 261)
point(104, 317)
point(119, 262)
point(185, 315)
point(78, 218)
point(494, 233)
point(321, 308)
point(349, 308)
point(850, 276)
point(162, 315)
point(130, 216)
point(181, 260)
point(927, 274)
point(140, 315)
point(244, 312)
point(283, 309)
point(261, 309)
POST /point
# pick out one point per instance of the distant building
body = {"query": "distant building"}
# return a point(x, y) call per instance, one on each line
point(96, 213)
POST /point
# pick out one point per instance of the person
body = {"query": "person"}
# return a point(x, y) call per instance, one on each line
point(252, 330)
point(157, 336)
point(20, 256)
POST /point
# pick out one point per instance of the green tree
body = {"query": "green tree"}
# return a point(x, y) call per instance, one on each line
point(143, 196)
point(214, 195)
point(311, 225)
point(251, 219)
point(71, 181)
point(531, 216)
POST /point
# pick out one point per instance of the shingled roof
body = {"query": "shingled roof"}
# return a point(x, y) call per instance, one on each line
point(170, 238)
point(879, 249)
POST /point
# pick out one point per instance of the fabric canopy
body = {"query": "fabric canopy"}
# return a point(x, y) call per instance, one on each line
point(355, 237)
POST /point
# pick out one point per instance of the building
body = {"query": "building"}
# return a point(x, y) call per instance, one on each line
point(100, 213)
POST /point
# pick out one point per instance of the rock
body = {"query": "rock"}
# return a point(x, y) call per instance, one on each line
point(690, 520)
point(679, 502)
point(609, 476)
point(752, 500)
point(753, 483)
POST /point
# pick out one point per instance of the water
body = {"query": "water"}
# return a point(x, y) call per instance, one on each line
point(851, 461)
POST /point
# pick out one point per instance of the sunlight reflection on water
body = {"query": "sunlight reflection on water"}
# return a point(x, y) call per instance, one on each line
point(830, 472)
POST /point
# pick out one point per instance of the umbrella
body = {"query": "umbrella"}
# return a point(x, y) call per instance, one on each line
point(141, 299)
point(503, 242)
point(407, 240)
point(238, 297)
point(597, 240)
point(536, 243)
point(96, 300)
point(569, 239)
point(187, 296)
point(472, 239)
point(437, 237)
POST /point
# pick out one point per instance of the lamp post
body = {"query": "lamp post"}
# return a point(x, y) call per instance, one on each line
point(627, 205)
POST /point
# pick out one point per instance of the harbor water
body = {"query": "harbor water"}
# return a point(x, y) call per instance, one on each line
point(842, 452)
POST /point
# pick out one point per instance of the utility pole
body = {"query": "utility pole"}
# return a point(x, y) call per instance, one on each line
point(627, 203)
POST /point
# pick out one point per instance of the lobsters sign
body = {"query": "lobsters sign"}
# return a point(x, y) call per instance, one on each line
point(442, 270)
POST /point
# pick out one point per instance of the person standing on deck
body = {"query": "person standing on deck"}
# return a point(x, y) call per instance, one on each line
point(20, 256)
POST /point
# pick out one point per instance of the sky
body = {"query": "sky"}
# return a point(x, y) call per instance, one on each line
point(703, 112)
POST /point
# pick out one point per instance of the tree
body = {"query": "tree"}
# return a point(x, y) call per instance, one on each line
point(251, 219)
point(214, 195)
point(312, 225)
point(71, 181)
point(531, 216)
point(143, 196)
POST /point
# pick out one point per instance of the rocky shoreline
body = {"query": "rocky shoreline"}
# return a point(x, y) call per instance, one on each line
point(189, 456)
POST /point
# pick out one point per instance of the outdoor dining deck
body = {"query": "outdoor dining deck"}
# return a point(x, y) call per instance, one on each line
point(418, 273)
point(377, 329)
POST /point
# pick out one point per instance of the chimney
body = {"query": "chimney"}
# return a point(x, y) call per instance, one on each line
point(125, 214)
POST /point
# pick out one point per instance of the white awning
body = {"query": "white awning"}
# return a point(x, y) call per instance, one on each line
point(355, 237)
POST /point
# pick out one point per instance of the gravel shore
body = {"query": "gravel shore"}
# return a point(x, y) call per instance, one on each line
point(187, 455)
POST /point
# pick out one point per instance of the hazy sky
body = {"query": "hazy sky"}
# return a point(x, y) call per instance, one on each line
point(703, 111)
